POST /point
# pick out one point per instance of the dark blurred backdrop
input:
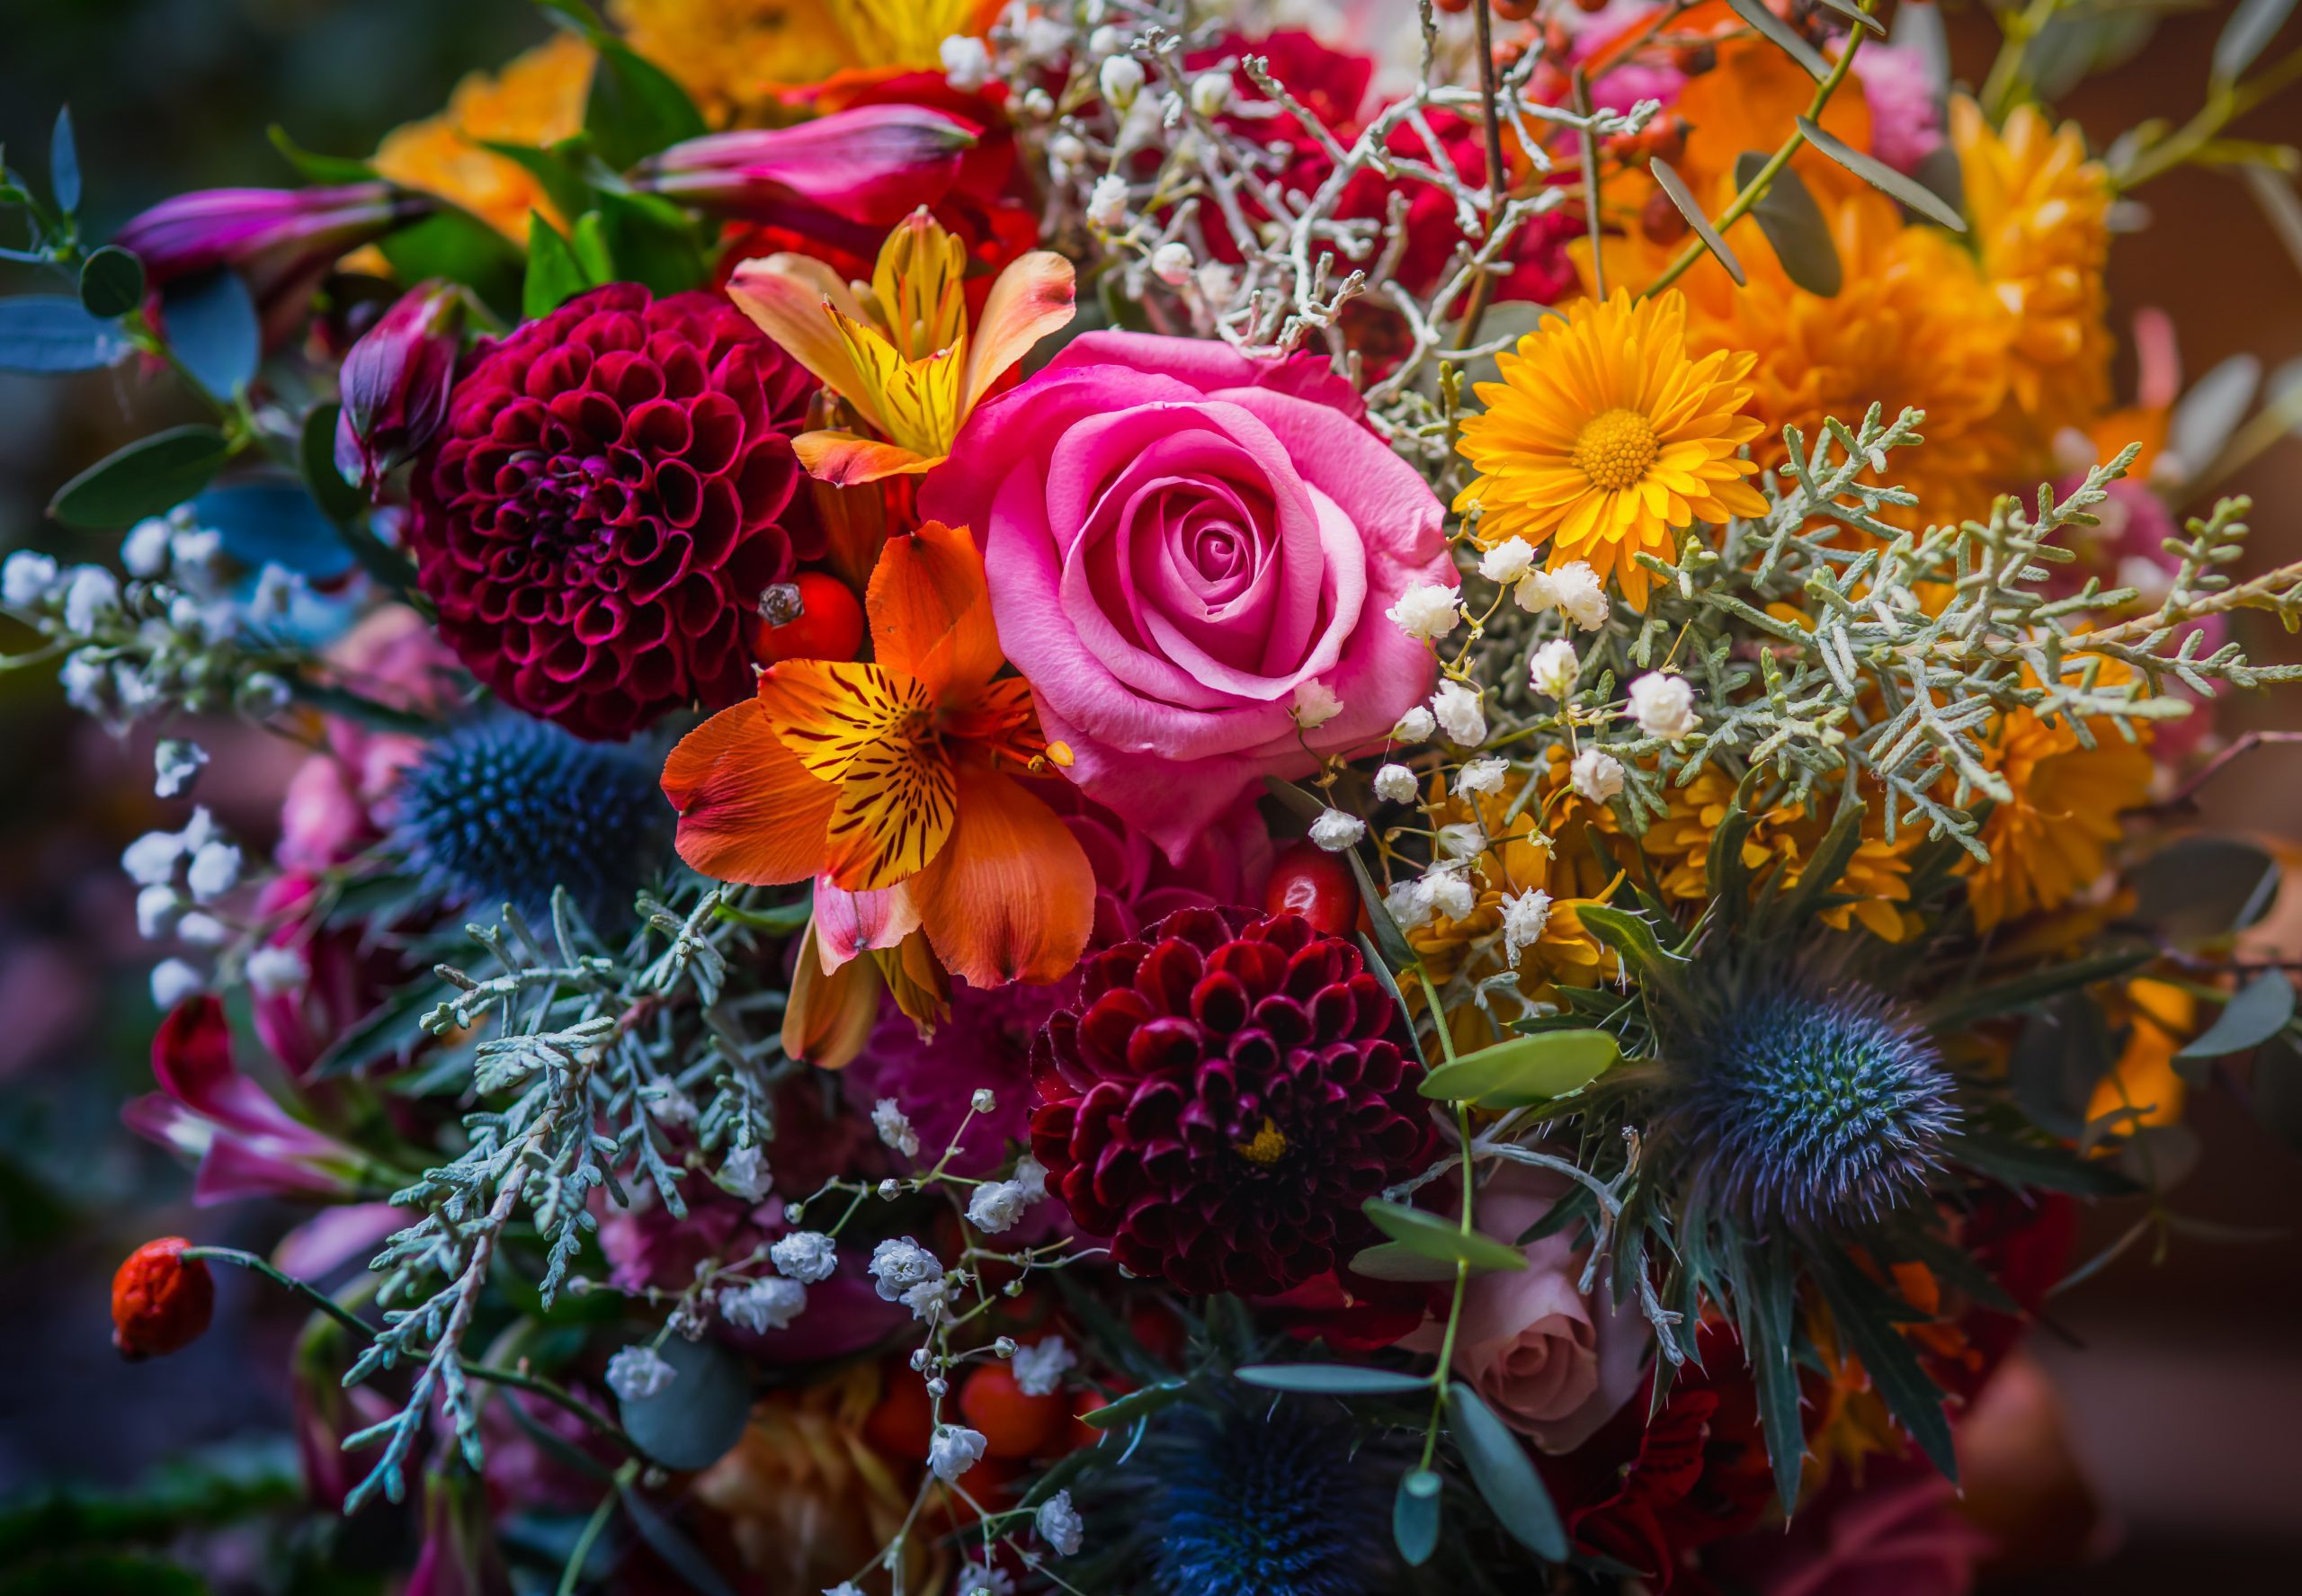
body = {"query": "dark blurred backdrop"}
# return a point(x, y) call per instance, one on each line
point(2180, 1379)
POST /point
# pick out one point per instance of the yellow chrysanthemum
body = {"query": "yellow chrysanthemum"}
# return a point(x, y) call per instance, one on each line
point(536, 99)
point(733, 56)
point(1605, 437)
point(2143, 1088)
point(1878, 878)
point(2047, 839)
point(2040, 213)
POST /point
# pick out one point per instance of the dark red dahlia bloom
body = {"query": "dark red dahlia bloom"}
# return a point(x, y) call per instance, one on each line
point(613, 490)
point(1226, 1093)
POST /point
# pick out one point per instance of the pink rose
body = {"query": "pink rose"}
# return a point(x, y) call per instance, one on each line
point(1898, 1533)
point(1552, 1363)
point(1178, 538)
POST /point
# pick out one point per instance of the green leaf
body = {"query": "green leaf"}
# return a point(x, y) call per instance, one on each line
point(1779, 34)
point(150, 476)
point(2277, 1100)
point(679, 1554)
point(1795, 225)
point(460, 247)
point(1880, 175)
point(651, 242)
point(1443, 1239)
point(390, 1031)
point(1504, 1475)
point(1523, 1070)
point(100, 1574)
point(2259, 1012)
point(1389, 940)
point(692, 1421)
point(2244, 38)
point(1866, 1319)
point(2062, 1052)
point(554, 274)
point(1960, 1009)
point(316, 454)
point(568, 191)
point(316, 167)
point(42, 334)
point(1133, 1405)
point(1633, 940)
point(112, 282)
point(635, 107)
point(1675, 188)
point(1415, 1516)
point(1855, 13)
point(2022, 1167)
point(1765, 1321)
point(1303, 805)
point(1382, 971)
point(64, 163)
point(1389, 1261)
point(2198, 888)
point(211, 327)
point(1332, 1380)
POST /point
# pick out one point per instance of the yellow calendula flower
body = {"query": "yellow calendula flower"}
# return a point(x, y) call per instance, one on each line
point(900, 350)
point(536, 100)
point(1607, 438)
point(2047, 839)
point(2143, 1088)
point(2040, 213)
point(733, 56)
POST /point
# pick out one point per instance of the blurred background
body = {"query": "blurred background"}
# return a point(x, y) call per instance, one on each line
point(2179, 1379)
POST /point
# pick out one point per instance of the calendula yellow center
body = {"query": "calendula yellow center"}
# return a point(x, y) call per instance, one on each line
point(1615, 448)
point(1267, 1146)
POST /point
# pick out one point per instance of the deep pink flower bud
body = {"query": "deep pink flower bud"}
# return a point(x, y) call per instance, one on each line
point(872, 164)
point(278, 239)
point(395, 382)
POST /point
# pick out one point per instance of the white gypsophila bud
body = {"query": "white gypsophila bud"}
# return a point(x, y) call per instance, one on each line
point(1507, 562)
point(743, 1173)
point(91, 598)
point(762, 1304)
point(1315, 704)
point(1059, 1524)
point(1044, 40)
point(1172, 263)
point(175, 764)
point(274, 972)
point(900, 1263)
point(1553, 669)
point(1066, 154)
point(1451, 893)
point(274, 594)
point(1664, 706)
point(150, 861)
point(1107, 205)
point(215, 870)
point(1396, 784)
point(894, 1127)
point(145, 551)
point(984, 1100)
point(1462, 839)
point(1337, 832)
point(1040, 1367)
point(1597, 775)
point(202, 930)
point(1210, 92)
point(1004, 1347)
point(1460, 714)
point(173, 981)
point(27, 580)
point(86, 682)
point(1524, 916)
point(844, 1588)
point(635, 1373)
point(807, 1256)
point(1103, 41)
point(954, 1450)
point(938, 1387)
point(1481, 775)
point(197, 561)
point(136, 691)
point(1031, 1175)
point(157, 910)
point(1415, 725)
point(1580, 595)
point(1426, 611)
point(1121, 80)
point(967, 64)
point(1037, 104)
point(890, 1189)
point(261, 694)
point(995, 1206)
point(928, 1299)
point(1536, 592)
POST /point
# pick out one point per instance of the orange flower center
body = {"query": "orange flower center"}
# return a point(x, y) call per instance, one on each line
point(1267, 1147)
point(1615, 448)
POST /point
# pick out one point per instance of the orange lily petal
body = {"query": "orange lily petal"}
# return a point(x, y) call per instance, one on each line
point(1011, 897)
point(829, 1016)
point(868, 729)
point(919, 282)
point(1032, 298)
point(749, 810)
point(844, 458)
point(931, 612)
point(920, 987)
point(828, 711)
point(797, 300)
point(915, 402)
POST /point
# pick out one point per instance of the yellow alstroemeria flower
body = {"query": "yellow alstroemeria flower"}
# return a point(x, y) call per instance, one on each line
point(900, 351)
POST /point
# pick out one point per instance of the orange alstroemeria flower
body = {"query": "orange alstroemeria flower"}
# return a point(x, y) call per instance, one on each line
point(906, 361)
point(891, 782)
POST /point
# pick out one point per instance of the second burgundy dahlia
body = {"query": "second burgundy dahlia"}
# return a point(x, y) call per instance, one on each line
point(613, 490)
point(1226, 1093)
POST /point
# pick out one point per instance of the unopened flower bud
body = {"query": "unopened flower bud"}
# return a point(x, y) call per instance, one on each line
point(1210, 92)
point(396, 383)
point(1121, 80)
point(1172, 264)
point(161, 1301)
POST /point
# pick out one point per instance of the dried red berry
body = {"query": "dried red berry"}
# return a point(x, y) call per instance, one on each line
point(1306, 879)
point(161, 1301)
point(1226, 1093)
point(813, 616)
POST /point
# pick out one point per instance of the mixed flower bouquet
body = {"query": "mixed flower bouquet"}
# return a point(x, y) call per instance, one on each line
point(1128, 796)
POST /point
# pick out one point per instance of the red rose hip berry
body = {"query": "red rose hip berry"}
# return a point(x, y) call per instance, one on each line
point(1305, 880)
point(813, 616)
point(161, 1301)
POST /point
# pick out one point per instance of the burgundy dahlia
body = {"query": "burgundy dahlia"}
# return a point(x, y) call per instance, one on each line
point(1226, 1093)
point(613, 490)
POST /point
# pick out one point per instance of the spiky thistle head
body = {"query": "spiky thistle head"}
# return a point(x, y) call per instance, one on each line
point(1807, 1106)
point(1266, 1500)
point(503, 808)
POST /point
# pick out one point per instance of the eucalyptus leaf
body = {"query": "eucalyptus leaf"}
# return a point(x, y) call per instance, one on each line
point(211, 326)
point(1675, 189)
point(1902, 190)
point(1332, 1380)
point(1415, 1516)
point(2198, 888)
point(701, 1413)
point(45, 334)
point(273, 520)
point(2259, 1012)
point(1781, 35)
point(1136, 1405)
point(1390, 1260)
point(150, 476)
point(2248, 32)
point(1801, 237)
point(112, 282)
point(1434, 1237)
point(1504, 1475)
point(64, 163)
point(1523, 1070)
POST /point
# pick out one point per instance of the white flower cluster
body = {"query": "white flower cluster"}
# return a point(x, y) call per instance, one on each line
point(998, 1205)
point(906, 1272)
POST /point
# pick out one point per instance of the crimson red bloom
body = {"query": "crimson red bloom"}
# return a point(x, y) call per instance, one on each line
point(613, 491)
point(1228, 1091)
point(161, 1301)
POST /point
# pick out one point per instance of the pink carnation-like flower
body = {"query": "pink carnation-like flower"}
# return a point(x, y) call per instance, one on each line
point(1178, 537)
point(1906, 110)
point(614, 489)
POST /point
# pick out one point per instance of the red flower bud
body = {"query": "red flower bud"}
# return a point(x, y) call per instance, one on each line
point(871, 165)
point(396, 383)
point(161, 1301)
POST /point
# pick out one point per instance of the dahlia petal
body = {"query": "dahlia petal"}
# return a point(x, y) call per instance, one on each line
point(749, 810)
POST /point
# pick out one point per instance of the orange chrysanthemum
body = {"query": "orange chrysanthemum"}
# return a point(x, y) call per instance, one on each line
point(2047, 840)
point(536, 100)
point(2040, 213)
point(894, 782)
point(1605, 437)
point(2143, 1088)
